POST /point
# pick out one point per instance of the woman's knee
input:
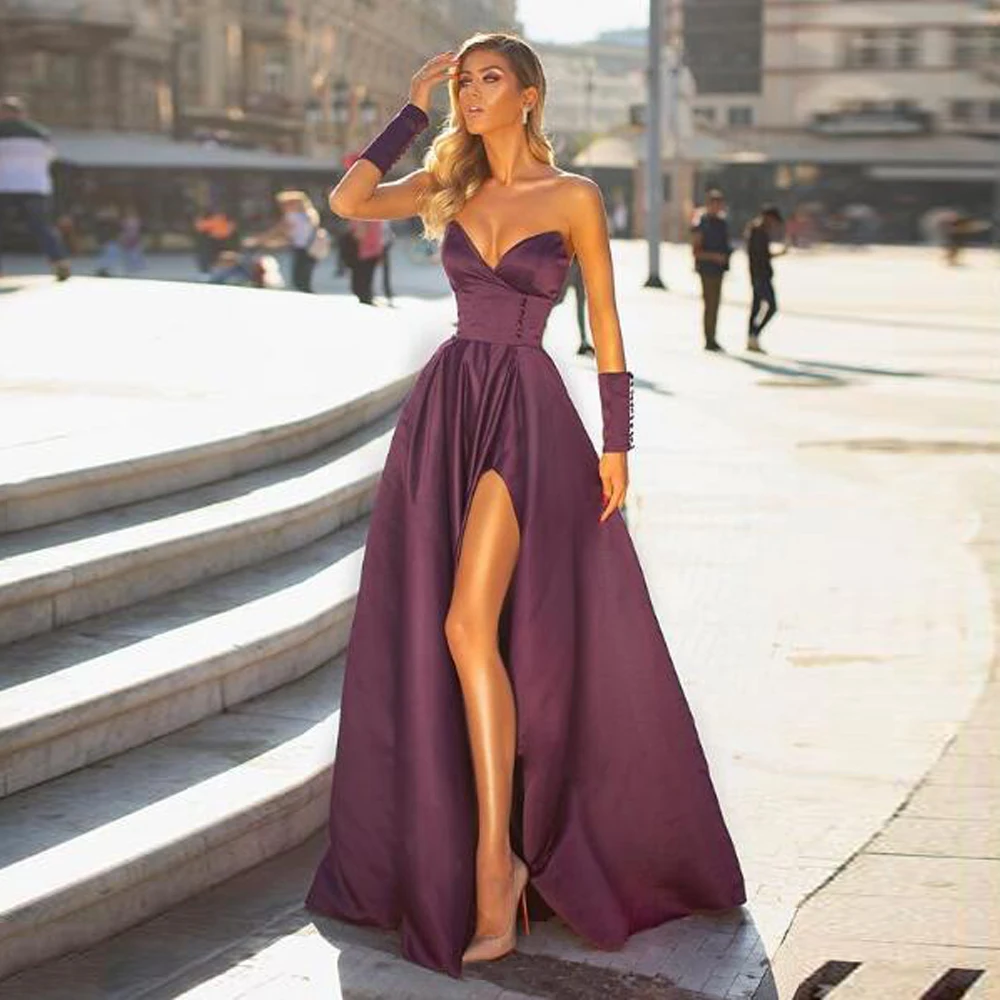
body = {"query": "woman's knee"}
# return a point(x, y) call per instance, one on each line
point(466, 633)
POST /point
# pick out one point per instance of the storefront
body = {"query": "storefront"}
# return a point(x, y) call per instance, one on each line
point(898, 181)
point(167, 183)
point(895, 183)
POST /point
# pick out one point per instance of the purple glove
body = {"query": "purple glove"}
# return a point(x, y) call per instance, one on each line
point(394, 140)
point(616, 409)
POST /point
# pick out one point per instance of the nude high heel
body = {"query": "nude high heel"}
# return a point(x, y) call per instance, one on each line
point(486, 948)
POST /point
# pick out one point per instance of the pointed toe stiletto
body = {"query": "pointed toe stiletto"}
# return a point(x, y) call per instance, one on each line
point(487, 947)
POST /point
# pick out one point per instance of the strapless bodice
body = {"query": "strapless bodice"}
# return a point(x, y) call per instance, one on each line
point(509, 303)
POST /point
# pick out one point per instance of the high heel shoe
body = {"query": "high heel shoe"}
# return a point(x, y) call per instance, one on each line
point(487, 947)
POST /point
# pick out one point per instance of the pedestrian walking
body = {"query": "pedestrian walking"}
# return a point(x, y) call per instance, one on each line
point(712, 250)
point(759, 234)
point(619, 216)
point(388, 238)
point(107, 231)
point(26, 156)
point(513, 725)
point(130, 241)
point(215, 232)
point(574, 280)
point(347, 246)
point(368, 233)
point(299, 229)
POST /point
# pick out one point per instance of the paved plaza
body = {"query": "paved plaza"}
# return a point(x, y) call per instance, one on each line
point(820, 533)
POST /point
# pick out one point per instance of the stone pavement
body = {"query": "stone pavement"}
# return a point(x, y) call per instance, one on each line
point(824, 563)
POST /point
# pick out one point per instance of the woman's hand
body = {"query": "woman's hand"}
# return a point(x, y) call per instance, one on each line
point(436, 69)
point(613, 469)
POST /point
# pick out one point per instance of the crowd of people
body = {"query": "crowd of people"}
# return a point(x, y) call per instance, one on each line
point(362, 246)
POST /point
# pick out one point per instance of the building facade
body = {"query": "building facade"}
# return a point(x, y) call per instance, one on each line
point(889, 104)
point(302, 76)
point(592, 89)
point(858, 67)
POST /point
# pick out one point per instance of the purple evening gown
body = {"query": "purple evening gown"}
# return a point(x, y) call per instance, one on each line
point(614, 810)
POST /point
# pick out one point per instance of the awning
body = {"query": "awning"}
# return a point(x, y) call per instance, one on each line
point(934, 150)
point(141, 151)
point(894, 173)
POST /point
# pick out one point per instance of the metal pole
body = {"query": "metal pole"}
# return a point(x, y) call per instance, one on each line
point(178, 26)
point(654, 174)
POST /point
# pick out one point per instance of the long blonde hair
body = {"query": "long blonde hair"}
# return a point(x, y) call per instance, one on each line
point(456, 160)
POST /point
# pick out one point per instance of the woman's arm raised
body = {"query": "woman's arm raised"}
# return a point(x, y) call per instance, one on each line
point(359, 195)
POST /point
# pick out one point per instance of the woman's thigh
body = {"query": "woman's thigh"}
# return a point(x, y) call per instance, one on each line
point(486, 558)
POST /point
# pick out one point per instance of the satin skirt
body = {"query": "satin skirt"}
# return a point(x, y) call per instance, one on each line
point(614, 809)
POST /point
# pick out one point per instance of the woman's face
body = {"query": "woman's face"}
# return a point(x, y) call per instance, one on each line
point(489, 94)
point(291, 205)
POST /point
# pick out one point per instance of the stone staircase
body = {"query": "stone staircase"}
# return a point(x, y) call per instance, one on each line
point(171, 631)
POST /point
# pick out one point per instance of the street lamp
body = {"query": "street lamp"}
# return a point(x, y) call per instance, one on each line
point(340, 109)
point(369, 112)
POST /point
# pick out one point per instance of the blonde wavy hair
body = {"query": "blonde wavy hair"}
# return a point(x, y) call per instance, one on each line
point(456, 160)
point(283, 197)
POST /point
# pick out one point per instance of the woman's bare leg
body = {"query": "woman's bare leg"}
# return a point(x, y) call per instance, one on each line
point(486, 562)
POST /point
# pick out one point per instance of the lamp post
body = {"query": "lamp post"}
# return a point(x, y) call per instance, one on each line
point(654, 174)
point(340, 111)
point(176, 72)
point(368, 111)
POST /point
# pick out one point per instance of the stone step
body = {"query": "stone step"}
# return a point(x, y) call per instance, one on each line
point(251, 936)
point(64, 573)
point(99, 687)
point(58, 481)
point(86, 855)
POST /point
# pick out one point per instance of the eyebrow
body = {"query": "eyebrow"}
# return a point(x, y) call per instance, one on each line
point(483, 70)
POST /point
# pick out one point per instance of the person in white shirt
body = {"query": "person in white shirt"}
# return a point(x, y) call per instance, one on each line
point(26, 156)
point(297, 228)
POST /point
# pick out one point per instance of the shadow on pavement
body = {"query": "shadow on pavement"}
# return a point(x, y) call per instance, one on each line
point(776, 368)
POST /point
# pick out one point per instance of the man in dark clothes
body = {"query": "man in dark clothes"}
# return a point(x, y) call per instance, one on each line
point(574, 280)
point(710, 242)
point(760, 232)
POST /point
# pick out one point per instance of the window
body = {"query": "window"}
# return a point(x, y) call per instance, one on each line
point(963, 111)
point(863, 50)
point(963, 46)
point(874, 48)
point(907, 48)
point(994, 112)
point(704, 116)
point(739, 116)
point(972, 46)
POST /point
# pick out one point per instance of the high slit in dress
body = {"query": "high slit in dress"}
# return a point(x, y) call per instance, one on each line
point(614, 809)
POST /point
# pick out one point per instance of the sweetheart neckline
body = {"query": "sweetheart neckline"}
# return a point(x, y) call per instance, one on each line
point(524, 239)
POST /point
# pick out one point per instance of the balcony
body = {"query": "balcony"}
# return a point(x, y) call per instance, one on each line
point(64, 25)
point(266, 18)
point(876, 121)
point(255, 117)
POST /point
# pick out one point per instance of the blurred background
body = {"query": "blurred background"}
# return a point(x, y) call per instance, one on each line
point(874, 120)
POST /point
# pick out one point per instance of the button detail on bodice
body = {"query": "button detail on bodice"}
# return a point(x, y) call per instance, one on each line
point(520, 315)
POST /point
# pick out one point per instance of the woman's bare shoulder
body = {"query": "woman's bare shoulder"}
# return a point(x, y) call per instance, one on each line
point(577, 193)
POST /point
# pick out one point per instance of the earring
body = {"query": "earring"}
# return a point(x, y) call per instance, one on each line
point(524, 114)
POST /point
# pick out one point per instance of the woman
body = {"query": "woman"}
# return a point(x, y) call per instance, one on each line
point(297, 228)
point(510, 712)
point(368, 235)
